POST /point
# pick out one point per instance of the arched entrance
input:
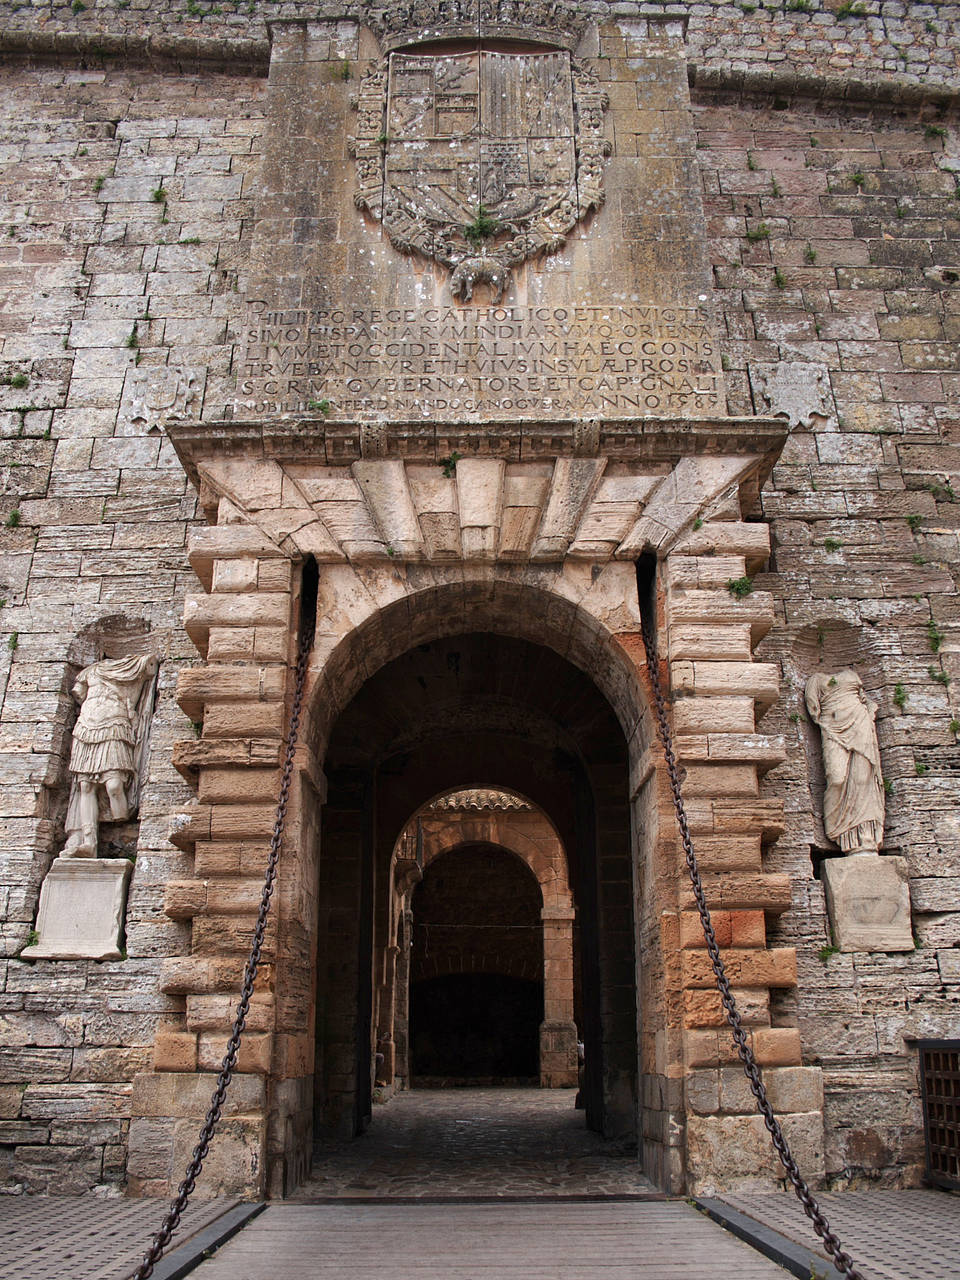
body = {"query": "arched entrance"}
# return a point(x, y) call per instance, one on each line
point(498, 710)
point(502, 656)
point(474, 922)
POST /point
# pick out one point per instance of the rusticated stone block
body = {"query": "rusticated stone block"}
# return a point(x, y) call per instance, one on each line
point(703, 1008)
point(775, 968)
point(258, 609)
point(175, 1051)
point(256, 1052)
point(738, 889)
point(789, 1089)
point(724, 1152)
point(236, 1163)
point(243, 719)
point(237, 786)
point(176, 1095)
point(772, 1046)
point(220, 682)
point(213, 1012)
point(182, 974)
point(743, 928)
point(184, 899)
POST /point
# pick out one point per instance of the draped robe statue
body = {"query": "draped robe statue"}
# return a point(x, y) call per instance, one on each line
point(853, 803)
point(116, 698)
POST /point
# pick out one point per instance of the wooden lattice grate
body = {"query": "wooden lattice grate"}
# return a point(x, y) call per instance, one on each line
point(940, 1088)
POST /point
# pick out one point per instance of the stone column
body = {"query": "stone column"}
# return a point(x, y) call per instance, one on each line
point(401, 1013)
point(387, 1013)
point(558, 1031)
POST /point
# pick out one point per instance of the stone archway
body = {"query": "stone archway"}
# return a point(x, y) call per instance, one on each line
point(478, 704)
point(563, 580)
point(496, 819)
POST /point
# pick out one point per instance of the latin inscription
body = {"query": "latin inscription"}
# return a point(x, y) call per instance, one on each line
point(486, 362)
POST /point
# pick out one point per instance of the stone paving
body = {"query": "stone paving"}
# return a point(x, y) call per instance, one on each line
point(88, 1237)
point(562, 1212)
point(475, 1142)
point(891, 1235)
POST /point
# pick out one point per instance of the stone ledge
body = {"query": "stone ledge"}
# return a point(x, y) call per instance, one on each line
point(183, 54)
point(761, 82)
point(658, 440)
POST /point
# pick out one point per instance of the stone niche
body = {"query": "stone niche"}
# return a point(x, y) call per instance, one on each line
point(111, 679)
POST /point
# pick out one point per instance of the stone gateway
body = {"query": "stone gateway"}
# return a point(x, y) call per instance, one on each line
point(468, 334)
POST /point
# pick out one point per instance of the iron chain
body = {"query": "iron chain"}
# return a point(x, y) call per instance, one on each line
point(172, 1218)
point(228, 1066)
point(842, 1260)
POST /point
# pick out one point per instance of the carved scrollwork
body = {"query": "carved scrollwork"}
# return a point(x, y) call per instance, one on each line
point(556, 22)
point(481, 160)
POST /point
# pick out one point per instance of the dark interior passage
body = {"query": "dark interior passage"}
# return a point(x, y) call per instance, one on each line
point(476, 968)
point(467, 710)
point(476, 1026)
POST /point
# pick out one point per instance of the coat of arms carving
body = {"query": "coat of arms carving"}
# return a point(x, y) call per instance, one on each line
point(480, 160)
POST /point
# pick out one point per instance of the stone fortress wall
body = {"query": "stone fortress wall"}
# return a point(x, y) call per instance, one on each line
point(827, 149)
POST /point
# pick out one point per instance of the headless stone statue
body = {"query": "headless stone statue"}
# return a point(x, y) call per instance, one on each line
point(853, 803)
point(115, 697)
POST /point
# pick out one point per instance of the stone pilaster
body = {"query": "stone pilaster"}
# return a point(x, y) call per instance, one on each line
point(558, 1031)
point(238, 704)
point(712, 620)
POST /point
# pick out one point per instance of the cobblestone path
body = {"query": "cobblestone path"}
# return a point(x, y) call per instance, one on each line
point(475, 1142)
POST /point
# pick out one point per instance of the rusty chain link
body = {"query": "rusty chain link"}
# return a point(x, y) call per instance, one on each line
point(842, 1260)
point(228, 1066)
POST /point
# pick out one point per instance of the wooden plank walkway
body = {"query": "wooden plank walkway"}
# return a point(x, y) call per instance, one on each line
point(535, 1240)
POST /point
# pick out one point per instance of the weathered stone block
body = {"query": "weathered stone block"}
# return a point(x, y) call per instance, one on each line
point(726, 1152)
point(81, 909)
point(868, 899)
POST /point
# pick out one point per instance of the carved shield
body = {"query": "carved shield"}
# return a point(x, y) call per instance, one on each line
point(480, 159)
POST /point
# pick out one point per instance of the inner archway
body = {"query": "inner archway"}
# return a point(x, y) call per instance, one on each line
point(477, 930)
point(476, 970)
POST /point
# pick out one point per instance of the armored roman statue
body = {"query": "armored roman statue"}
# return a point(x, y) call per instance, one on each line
point(853, 803)
point(116, 698)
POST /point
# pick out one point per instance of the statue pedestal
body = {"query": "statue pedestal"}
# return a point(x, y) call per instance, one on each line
point(82, 902)
point(868, 901)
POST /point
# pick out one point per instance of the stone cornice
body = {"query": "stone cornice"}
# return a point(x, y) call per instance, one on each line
point(866, 90)
point(467, 509)
point(655, 441)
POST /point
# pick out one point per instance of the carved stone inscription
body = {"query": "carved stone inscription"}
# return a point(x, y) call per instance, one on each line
point(489, 362)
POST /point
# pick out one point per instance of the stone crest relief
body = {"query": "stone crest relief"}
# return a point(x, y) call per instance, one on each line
point(480, 160)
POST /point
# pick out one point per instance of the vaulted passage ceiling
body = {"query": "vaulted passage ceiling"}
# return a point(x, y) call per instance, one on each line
point(479, 710)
